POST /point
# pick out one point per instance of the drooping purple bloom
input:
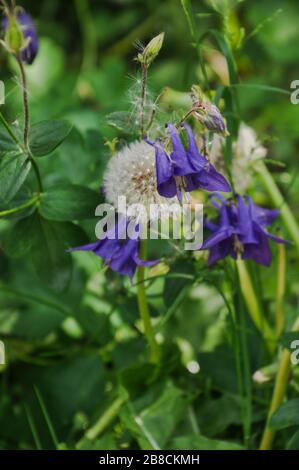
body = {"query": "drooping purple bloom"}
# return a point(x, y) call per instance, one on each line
point(185, 169)
point(26, 23)
point(119, 253)
point(240, 231)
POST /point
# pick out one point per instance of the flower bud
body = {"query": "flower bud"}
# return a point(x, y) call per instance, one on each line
point(209, 115)
point(20, 35)
point(14, 37)
point(151, 51)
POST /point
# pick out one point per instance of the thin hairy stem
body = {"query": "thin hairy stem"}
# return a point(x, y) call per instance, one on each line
point(25, 102)
point(144, 70)
point(144, 309)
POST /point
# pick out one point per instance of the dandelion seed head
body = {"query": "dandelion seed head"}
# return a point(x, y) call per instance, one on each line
point(131, 173)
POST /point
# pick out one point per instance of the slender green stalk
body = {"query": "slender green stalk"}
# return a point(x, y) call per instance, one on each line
point(253, 305)
point(280, 387)
point(281, 276)
point(32, 427)
point(279, 201)
point(14, 210)
point(25, 103)
point(104, 421)
point(46, 417)
point(143, 99)
point(85, 20)
point(144, 309)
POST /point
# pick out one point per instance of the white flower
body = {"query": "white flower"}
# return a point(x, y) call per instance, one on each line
point(131, 173)
point(246, 150)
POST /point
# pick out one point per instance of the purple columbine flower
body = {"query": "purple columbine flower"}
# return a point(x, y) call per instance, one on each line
point(26, 23)
point(185, 169)
point(119, 253)
point(240, 231)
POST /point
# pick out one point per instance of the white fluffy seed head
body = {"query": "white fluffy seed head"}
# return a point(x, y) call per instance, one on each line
point(246, 150)
point(131, 173)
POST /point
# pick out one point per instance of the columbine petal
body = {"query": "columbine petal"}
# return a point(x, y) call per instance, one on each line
point(166, 184)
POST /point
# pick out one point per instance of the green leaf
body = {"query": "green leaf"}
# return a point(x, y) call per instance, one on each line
point(69, 202)
point(287, 415)
point(16, 242)
point(173, 286)
point(48, 252)
point(293, 443)
point(46, 136)
point(6, 142)
point(196, 442)
point(123, 121)
point(187, 7)
point(71, 385)
point(14, 168)
point(154, 425)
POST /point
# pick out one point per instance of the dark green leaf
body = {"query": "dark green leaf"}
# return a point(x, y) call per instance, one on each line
point(6, 142)
point(46, 136)
point(287, 415)
point(293, 443)
point(69, 202)
point(156, 423)
point(173, 286)
point(50, 240)
point(14, 168)
point(196, 442)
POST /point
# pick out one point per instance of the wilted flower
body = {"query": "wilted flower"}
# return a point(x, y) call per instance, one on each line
point(131, 173)
point(121, 255)
point(20, 34)
point(185, 169)
point(246, 151)
point(210, 116)
point(240, 231)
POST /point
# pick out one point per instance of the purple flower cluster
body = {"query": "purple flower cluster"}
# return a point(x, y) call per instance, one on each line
point(119, 253)
point(241, 230)
point(185, 169)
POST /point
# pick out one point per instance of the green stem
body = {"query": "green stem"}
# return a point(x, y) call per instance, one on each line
point(20, 208)
point(85, 20)
point(144, 309)
point(281, 276)
point(25, 103)
point(143, 99)
point(277, 398)
point(253, 305)
point(105, 420)
point(280, 388)
point(279, 201)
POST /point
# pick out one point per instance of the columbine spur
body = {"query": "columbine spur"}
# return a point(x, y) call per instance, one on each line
point(241, 231)
point(20, 23)
point(185, 169)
